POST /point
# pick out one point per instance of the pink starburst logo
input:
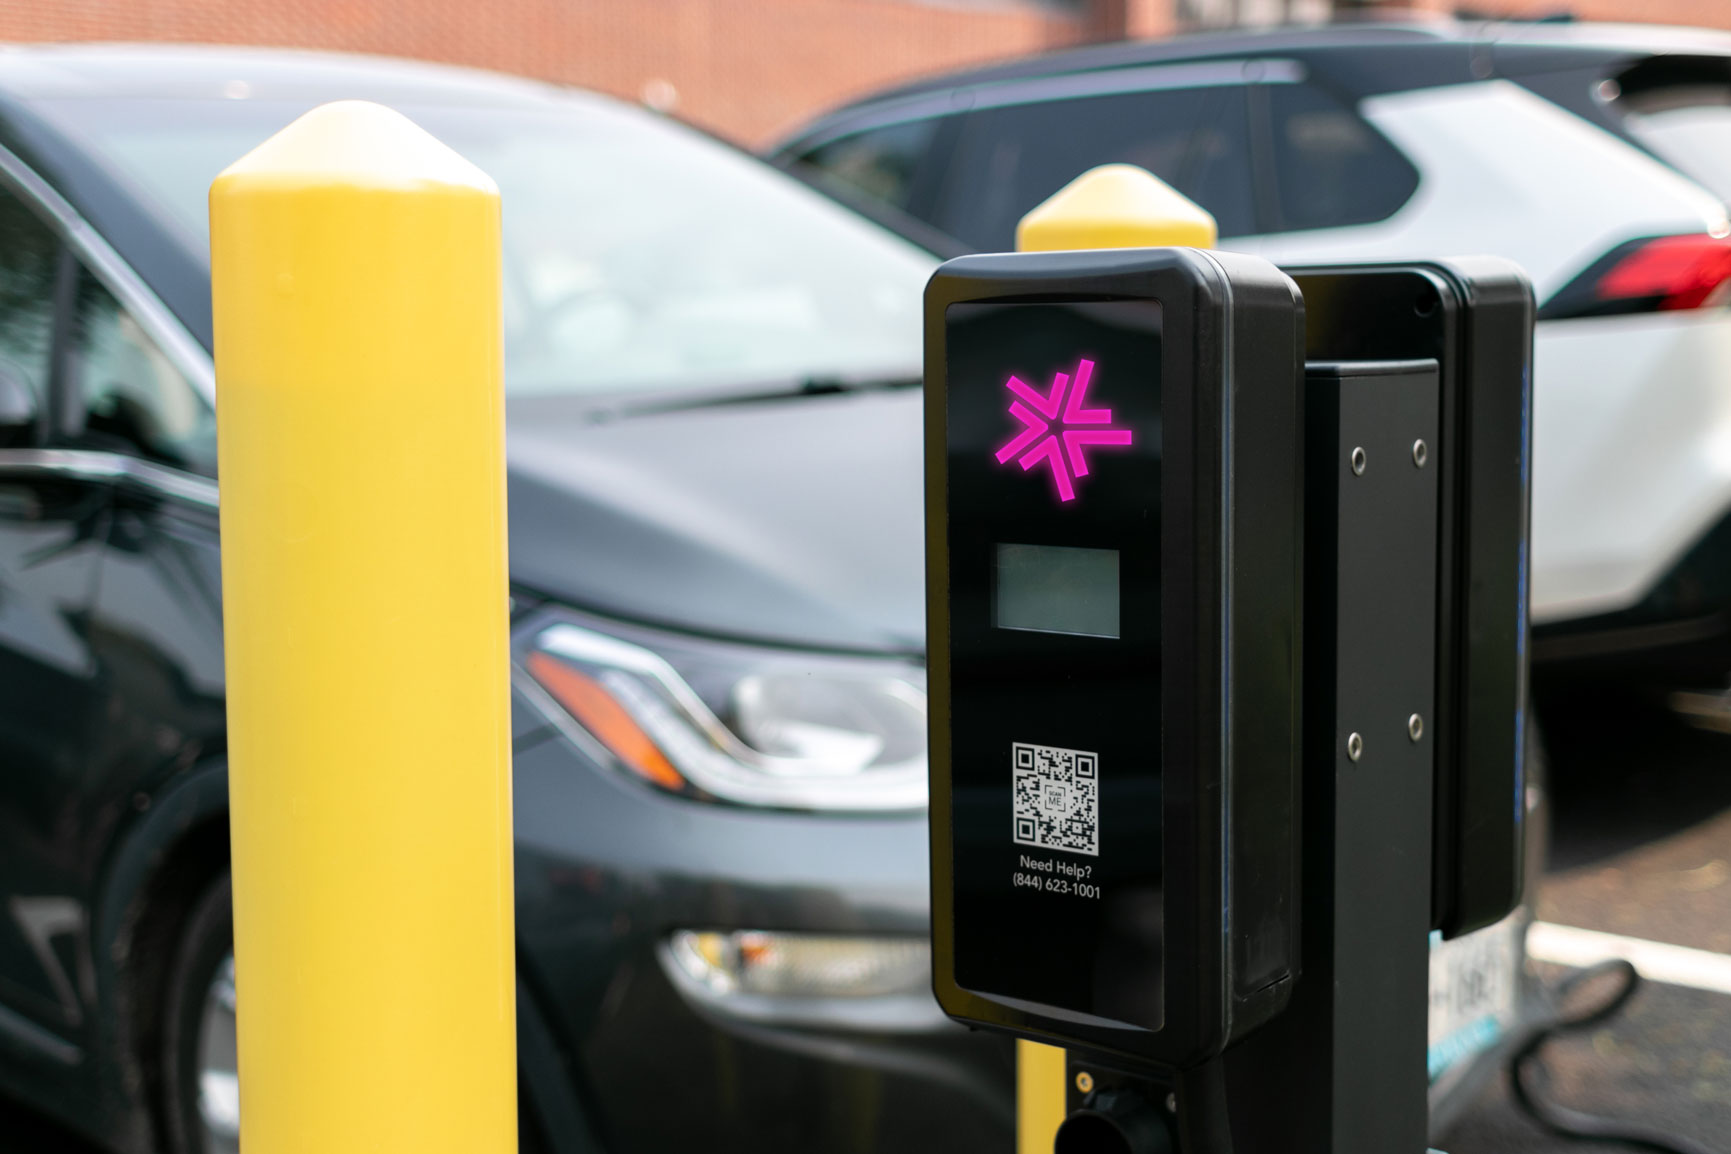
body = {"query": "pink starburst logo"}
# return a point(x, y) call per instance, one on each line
point(1060, 449)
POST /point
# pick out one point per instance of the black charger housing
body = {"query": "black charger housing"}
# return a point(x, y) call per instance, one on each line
point(1114, 510)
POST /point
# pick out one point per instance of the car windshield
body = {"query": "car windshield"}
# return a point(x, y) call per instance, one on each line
point(639, 256)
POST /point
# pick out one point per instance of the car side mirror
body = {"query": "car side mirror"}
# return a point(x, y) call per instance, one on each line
point(17, 408)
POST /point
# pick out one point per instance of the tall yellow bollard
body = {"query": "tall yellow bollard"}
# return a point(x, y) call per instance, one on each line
point(356, 284)
point(1112, 206)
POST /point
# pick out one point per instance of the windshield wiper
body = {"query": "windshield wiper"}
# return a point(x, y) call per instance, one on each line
point(813, 386)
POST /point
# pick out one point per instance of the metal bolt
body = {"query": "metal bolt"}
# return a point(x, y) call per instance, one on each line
point(1354, 746)
point(1420, 453)
point(1084, 1081)
point(1358, 462)
point(1415, 727)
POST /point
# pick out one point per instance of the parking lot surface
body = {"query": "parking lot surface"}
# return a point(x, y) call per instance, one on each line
point(1641, 849)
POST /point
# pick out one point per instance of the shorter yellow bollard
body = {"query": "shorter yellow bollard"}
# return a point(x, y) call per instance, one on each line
point(1039, 1069)
point(1116, 206)
point(1112, 206)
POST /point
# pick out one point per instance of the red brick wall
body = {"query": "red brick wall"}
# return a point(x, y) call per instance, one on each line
point(746, 68)
point(1701, 13)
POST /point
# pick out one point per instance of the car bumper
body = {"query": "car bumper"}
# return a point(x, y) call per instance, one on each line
point(608, 870)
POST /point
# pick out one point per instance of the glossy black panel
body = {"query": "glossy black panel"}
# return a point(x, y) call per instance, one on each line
point(1055, 738)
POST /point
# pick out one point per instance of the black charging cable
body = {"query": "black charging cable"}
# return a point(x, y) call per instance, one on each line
point(1555, 1022)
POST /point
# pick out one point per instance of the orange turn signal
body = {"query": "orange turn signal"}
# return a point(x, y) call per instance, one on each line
point(596, 710)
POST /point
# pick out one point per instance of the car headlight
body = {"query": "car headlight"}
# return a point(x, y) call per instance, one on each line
point(736, 723)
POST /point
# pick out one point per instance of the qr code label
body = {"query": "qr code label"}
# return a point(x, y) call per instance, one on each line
point(1057, 798)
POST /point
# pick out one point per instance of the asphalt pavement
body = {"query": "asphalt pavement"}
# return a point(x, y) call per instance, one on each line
point(1641, 849)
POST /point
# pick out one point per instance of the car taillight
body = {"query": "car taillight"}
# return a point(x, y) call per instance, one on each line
point(1653, 275)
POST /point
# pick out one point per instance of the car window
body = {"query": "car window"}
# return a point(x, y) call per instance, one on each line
point(1217, 170)
point(1009, 159)
point(29, 252)
point(1331, 168)
point(1688, 126)
point(131, 397)
point(880, 162)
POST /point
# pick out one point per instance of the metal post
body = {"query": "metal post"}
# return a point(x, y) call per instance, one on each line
point(1342, 1070)
point(356, 288)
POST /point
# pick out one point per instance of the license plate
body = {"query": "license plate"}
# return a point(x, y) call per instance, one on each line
point(1474, 982)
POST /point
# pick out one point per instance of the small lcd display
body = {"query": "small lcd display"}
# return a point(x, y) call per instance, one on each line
point(1056, 589)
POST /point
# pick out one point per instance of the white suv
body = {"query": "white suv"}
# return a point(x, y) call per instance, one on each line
point(1597, 157)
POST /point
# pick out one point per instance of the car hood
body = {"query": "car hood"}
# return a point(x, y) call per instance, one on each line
point(794, 521)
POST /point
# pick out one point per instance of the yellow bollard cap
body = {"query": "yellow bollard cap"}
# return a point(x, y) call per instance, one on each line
point(357, 144)
point(1116, 206)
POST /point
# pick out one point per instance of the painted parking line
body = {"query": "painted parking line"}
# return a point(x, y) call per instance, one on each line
point(1657, 961)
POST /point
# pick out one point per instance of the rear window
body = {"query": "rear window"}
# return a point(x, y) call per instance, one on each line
point(1009, 159)
point(1689, 127)
point(1331, 168)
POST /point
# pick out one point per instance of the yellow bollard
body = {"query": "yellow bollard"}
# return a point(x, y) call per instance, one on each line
point(1116, 206)
point(356, 284)
point(1112, 206)
point(1040, 1091)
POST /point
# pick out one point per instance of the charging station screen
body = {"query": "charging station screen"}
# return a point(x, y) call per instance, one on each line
point(1057, 589)
point(1053, 466)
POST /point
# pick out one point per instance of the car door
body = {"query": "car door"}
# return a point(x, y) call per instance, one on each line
point(52, 517)
point(144, 418)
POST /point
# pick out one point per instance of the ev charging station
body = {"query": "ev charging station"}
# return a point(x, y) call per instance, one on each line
point(1226, 578)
